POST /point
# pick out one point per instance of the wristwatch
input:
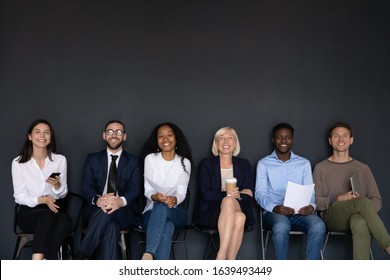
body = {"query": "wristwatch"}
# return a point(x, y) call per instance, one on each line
point(95, 199)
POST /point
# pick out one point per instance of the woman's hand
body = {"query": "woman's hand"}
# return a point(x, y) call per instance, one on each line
point(247, 191)
point(159, 197)
point(235, 193)
point(55, 182)
point(50, 202)
point(170, 201)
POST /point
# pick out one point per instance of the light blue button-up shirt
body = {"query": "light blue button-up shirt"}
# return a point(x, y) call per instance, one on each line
point(273, 174)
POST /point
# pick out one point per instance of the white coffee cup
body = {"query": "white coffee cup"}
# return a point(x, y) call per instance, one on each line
point(231, 184)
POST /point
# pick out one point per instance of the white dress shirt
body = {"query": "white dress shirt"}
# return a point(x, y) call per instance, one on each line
point(109, 159)
point(29, 180)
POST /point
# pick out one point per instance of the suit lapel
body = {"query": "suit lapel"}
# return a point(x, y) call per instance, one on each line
point(103, 169)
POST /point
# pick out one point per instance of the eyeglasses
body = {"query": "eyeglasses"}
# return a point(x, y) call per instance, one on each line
point(117, 132)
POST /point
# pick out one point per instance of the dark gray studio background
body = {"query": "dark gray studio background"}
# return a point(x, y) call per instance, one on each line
point(201, 65)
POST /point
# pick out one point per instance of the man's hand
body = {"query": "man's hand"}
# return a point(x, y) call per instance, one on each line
point(109, 203)
point(347, 196)
point(280, 209)
point(305, 211)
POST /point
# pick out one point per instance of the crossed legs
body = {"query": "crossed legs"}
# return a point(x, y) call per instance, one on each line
point(359, 216)
point(231, 223)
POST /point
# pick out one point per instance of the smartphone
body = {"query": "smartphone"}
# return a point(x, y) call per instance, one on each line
point(53, 175)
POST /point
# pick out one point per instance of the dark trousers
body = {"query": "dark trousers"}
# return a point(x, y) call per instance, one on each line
point(102, 233)
point(50, 229)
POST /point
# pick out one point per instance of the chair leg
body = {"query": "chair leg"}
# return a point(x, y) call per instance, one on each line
point(324, 247)
point(60, 253)
point(182, 241)
point(122, 244)
point(69, 251)
point(16, 251)
point(211, 245)
point(141, 240)
point(173, 243)
point(185, 245)
point(265, 245)
point(21, 241)
point(208, 245)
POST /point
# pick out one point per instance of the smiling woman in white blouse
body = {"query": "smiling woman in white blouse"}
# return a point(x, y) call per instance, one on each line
point(39, 181)
point(167, 169)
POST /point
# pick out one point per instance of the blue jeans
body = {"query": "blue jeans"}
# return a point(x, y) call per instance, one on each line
point(160, 224)
point(281, 226)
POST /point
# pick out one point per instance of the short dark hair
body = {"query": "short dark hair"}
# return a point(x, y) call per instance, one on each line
point(340, 124)
point(282, 125)
point(115, 121)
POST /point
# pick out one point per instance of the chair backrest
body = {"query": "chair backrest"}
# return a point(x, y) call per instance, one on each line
point(17, 230)
point(262, 226)
point(186, 201)
point(74, 207)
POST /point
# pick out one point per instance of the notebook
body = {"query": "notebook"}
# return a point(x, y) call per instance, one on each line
point(355, 184)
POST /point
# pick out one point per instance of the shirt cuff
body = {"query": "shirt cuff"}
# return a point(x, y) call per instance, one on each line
point(332, 199)
point(124, 200)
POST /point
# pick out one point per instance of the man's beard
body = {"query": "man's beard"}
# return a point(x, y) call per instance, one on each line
point(116, 146)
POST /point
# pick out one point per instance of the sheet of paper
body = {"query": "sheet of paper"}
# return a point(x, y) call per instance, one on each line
point(298, 196)
point(157, 188)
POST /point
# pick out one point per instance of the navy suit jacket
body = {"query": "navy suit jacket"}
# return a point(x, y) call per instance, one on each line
point(209, 172)
point(129, 178)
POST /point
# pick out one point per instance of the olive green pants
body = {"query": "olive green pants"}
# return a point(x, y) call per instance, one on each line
point(360, 218)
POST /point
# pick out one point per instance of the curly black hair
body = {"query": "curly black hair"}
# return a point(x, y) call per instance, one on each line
point(183, 149)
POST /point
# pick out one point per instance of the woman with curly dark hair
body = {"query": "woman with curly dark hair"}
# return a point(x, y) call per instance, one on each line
point(167, 168)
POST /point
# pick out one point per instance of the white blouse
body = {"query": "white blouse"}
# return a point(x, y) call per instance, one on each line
point(166, 174)
point(29, 180)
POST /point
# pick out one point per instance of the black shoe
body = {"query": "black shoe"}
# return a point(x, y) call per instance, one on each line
point(81, 256)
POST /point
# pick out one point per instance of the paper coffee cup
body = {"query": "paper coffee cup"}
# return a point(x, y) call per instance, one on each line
point(231, 184)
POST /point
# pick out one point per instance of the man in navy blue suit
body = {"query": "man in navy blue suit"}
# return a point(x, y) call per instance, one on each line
point(109, 210)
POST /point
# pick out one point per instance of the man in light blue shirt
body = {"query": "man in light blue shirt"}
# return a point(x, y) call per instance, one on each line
point(273, 172)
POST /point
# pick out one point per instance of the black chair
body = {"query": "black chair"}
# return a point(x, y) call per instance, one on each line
point(265, 233)
point(179, 236)
point(338, 233)
point(212, 246)
point(22, 238)
point(124, 243)
point(74, 205)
